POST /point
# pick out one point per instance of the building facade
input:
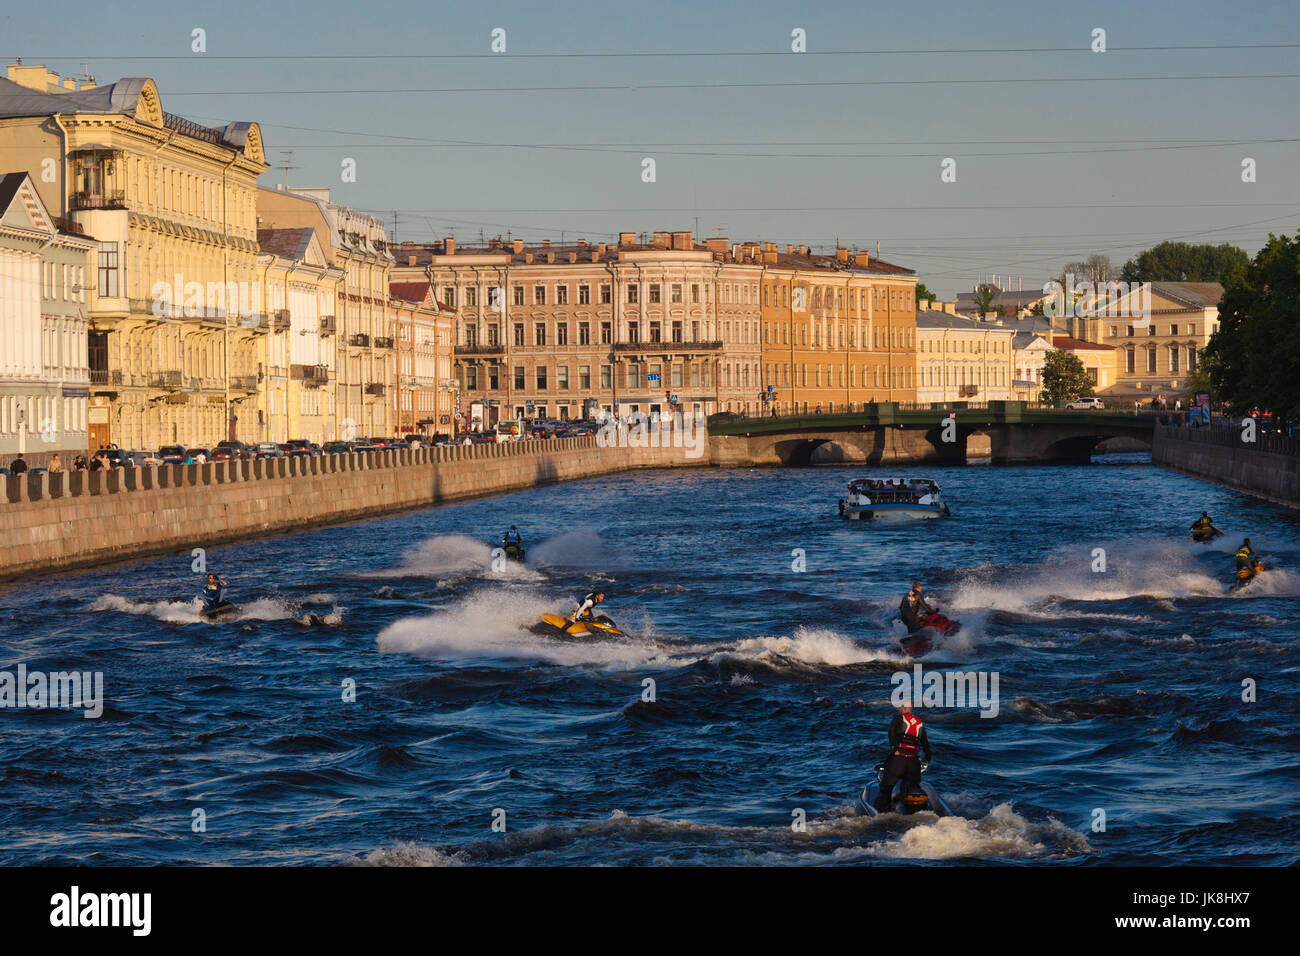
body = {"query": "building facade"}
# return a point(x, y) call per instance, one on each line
point(356, 243)
point(44, 377)
point(172, 206)
point(425, 391)
point(296, 363)
point(963, 360)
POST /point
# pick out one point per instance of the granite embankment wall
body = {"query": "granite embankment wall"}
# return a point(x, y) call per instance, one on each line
point(53, 522)
point(1266, 468)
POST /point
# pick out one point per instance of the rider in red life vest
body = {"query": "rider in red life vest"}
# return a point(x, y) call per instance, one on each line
point(907, 739)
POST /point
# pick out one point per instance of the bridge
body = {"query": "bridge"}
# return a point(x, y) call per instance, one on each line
point(886, 433)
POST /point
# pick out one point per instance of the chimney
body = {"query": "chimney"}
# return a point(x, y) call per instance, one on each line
point(627, 238)
point(550, 258)
point(582, 243)
point(769, 247)
point(842, 255)
point(769, 255)
point(789, 249)
point(663, 240)
point(36, 78)
point(546, 243)
point(803, 250)
point(573, 257)
point(683, 240)
point(519, 246)
point(717, 244)
point(600, 251)
point(449, 246)
point(528, 258)
point(410, 260)
point(862, 260)
point(69, 83)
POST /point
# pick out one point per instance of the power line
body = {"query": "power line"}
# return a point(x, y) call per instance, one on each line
point(773, 84)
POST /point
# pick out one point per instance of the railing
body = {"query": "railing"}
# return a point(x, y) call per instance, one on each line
point(280, 321)
point(360, 340)
point(105, 376)
point(375, 388)
point(1231, 436)
point(383, 342)
point(662, 346)
point(166, 379)
point(327, 325)
point(245, 383)
point(115, 199)
point(479, 350)
point(310, 375)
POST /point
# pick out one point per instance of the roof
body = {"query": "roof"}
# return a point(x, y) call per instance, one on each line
point(1197, 295)
point(1065, 342)
point(937, 319)
point(409, 291)
point(1021, 300)
point(286, 243)
point(10, 183)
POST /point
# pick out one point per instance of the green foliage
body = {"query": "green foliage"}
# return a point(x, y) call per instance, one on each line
point(1254, 358)
point(984, 297)
point(1064, 378)
point(1184, 262)
point(923, 292)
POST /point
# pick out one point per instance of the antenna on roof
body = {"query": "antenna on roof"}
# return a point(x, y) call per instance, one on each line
point(286, 165)
point(86, 76)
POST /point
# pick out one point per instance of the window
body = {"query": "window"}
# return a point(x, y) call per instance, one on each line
point(677, 292)
point(1191, 358)
point(539, 295)
point(606, 333)
point(584, 295)
point(449, 295)
point(108, 268)
point(562, 377)
point(471, 336)
point(606, 376)
point(634, 332)
point(541, 378)
point(584, 377)
point(632, 293)
point(655, 295)
point(606, 295)
point(519, 295)
point(1173, 358)
point(1151, 329)
point(1151, 358)
point(539, 333)
point(654, 332)
point(494, 334)
point(561, 295)
point(519, 377)
point(633, 375)
point(1173, 329)
point(562, 333)
point(471, 377)
point(695, 292)
point(584, 333)
point(677, 375)
point(493, 379)
point(471, 297)
point(677, 331)
point(519, 334)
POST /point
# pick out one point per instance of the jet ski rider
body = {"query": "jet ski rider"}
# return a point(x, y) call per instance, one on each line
point(907, 738)
point(914, 609)
point(214, 592)
point(513, 537)
point(1246, 555)
point(1205, 523)
point(583, 610)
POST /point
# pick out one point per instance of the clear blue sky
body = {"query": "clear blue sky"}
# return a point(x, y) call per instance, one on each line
point(858, 163)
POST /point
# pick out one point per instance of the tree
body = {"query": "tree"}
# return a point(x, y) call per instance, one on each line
point(1064, 378)
point(1183, 262)
point(984, 296)
point(923, 293)
point(1095, 269)
point(1255, 356)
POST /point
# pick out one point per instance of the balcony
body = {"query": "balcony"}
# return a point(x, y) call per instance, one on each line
point(359, 340)
point(170, 378)
point(115, 199)
point(327, 325)
point(383, 342)
point(375, 388)
point(244, 383)
point(480, 350)
point(311, 376)
point(104, 376)
point(666, 347)
point(280, 321)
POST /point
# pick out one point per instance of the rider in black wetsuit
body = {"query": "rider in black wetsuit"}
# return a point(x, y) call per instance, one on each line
point(907, 738)
point(513, 537)
point(914, 609)
point(214, 592)
point(583, 610)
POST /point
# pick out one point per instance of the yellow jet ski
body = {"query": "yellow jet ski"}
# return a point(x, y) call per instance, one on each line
point(592, 628)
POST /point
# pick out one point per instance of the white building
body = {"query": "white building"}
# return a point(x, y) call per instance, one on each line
point(44, 372)
point(960, 359)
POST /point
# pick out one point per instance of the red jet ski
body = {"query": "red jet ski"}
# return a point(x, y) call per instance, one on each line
point(930, 635)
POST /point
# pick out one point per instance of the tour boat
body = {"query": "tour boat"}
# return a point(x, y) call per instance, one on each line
point(888, 498)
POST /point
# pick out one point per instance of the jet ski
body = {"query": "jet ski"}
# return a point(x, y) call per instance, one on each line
point(594, 628)
point(1247, 574)
point(922, 799)
point(1206, 535)
point(514, 552)
point(930, 636)
point(219, 612)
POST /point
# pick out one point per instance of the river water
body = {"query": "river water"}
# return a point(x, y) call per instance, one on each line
point(763, 627)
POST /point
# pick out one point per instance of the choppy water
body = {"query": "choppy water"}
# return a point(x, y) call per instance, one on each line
point(1118, 690)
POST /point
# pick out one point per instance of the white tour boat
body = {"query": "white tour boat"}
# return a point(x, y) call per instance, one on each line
point(886, 498)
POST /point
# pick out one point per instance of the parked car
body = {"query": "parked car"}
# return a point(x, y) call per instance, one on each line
point(1089, 401)
point(337, 447)
point(172, 454)
point(132, 458)
point(267, 449)
point(721, 418)
point(230, 451)
point(296, 446)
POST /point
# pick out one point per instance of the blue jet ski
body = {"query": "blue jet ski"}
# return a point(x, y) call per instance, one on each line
point(923, 799)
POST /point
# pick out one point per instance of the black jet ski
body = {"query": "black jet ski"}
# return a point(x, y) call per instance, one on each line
point(923, 799)
point(222, 611)
point(514, 552)
point(594, 628)
point(1206, 535)
point(930, 636)
point(1247, 574)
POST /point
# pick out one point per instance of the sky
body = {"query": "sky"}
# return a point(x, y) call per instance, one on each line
point(1059, 152)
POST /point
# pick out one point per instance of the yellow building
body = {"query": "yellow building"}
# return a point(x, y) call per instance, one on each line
point(838, 331)
point(356, 243)
point(296, 364)
point(960, 359)
point(1100, 361)
point(172, 205)
point(424, 388)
